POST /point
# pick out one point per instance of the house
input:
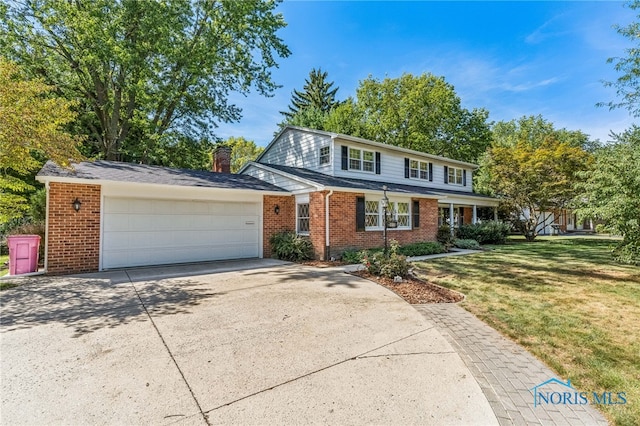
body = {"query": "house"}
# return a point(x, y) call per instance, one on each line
point(324, 185)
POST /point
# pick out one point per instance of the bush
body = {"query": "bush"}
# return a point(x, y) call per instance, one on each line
point(422, 248)
point(493, 232)
point(601, 228)
point(352, 256)
point(291, 246)
point(392, 266)
point(444, 236)
point(466, 244)
point(628, 250)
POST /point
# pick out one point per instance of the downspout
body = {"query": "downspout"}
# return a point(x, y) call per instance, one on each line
point(327, 244)
point(46, 228)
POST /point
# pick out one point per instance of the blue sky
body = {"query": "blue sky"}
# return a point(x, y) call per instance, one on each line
point(512, 58)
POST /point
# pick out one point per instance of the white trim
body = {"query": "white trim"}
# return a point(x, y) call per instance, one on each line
point(101, 237)
point(46, 229)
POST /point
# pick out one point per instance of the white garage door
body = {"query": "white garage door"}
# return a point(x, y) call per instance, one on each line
point(153, 232)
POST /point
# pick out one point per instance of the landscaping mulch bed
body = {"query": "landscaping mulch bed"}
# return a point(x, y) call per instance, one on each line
point(414, 290)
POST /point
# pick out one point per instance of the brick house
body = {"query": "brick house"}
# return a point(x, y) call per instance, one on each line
point(323, 185)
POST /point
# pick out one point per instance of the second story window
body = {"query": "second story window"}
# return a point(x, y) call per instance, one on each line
point(361, 159)
point(455, 176)
point(418, 169)
point(325, 155)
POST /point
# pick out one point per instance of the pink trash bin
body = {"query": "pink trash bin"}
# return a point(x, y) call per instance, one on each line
point(23, 253)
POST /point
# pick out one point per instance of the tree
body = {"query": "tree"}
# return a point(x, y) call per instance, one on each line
point(421, 113)
point(610, 191)
point(531, 179)
point(150, 68)
point(628, 84)
point(242, 151)
point(32, 128)
point(318, 94)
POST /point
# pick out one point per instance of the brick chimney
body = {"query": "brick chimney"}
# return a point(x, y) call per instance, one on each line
point(222, 159)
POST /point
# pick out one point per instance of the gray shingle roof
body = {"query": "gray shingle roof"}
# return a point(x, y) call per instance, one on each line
point(140, 173)
point(362, 184)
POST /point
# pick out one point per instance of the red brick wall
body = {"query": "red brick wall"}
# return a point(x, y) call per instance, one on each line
point(274, 223)
point(73, 238)
point(317, 222)
point(342, 218)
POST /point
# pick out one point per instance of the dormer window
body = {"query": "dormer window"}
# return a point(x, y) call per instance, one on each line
point(325, 155)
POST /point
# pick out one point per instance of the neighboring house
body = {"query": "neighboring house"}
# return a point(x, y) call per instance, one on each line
point(559, 221)
point(324, 185)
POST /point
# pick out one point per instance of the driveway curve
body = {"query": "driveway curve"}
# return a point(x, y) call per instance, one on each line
point(252, 342)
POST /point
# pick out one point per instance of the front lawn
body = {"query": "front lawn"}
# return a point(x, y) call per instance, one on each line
point(566, 301)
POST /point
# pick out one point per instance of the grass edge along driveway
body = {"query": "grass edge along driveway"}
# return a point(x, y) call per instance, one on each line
point(566, 301)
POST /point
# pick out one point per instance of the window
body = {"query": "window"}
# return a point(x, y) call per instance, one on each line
point(418, 169)
point(374, 214)
point(303, 218)
point(360, 159)
point(455, 176)
point(371, 214)
point(325, 155)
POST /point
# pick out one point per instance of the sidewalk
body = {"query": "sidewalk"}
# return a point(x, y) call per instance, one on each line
point(504, 370)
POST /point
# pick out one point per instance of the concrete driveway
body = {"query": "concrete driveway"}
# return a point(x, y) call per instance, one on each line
point(254, 342)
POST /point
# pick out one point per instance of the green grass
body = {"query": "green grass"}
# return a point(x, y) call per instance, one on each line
point(566, 301)
point(3, 270)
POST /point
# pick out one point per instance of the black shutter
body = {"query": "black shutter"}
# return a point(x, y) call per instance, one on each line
point(345, 158)
point(446, 174)
point(377, 163)
point(359, 213)
point(416, 214)
point(430, 172)
point(406, 168)
point(464, 178)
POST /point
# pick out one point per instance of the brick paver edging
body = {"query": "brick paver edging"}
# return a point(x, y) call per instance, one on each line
point(504, 370)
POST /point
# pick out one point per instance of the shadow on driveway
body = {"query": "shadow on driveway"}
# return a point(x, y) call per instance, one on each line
point(89, 304)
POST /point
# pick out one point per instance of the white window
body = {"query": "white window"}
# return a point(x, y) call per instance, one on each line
point(303, 218)
point(455, 176)
point(360, 159)
point(418, 169)
point(325, 155)
point(371, 214)
point(397, 210)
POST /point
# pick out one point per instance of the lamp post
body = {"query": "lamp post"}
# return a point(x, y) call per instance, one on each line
point(385, 206)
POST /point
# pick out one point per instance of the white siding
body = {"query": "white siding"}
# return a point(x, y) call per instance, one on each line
point(276, 179)
point(296, 148)
point(392, 169)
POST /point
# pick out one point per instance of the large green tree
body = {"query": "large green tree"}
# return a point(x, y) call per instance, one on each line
point(628, 84)
point(144, 69)
point(317, 94)
point(610, 191)
point(423, 113)
point(32, 129)
point(532, 168)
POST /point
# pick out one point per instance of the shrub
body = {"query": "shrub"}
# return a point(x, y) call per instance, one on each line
point(291, 246)
point(466, 244)
point(352, 256)
point(422, 248)
point(493, 232)
point(444, 236)
point(380, 265)
point(601, 228)
point(628, 250)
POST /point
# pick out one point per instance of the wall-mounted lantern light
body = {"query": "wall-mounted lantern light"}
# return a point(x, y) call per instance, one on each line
point(76, 204)
point(276, 209)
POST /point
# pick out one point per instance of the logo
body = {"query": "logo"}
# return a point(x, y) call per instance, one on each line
point(557, 392)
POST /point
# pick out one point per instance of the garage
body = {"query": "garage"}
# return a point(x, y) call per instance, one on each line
point(151, 232)
point(106, 215)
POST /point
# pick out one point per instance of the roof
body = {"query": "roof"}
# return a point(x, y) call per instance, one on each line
point(114, 171)
point(364, 185)
point(381, 145)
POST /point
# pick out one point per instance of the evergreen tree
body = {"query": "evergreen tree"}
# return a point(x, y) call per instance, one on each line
point(317, 93)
